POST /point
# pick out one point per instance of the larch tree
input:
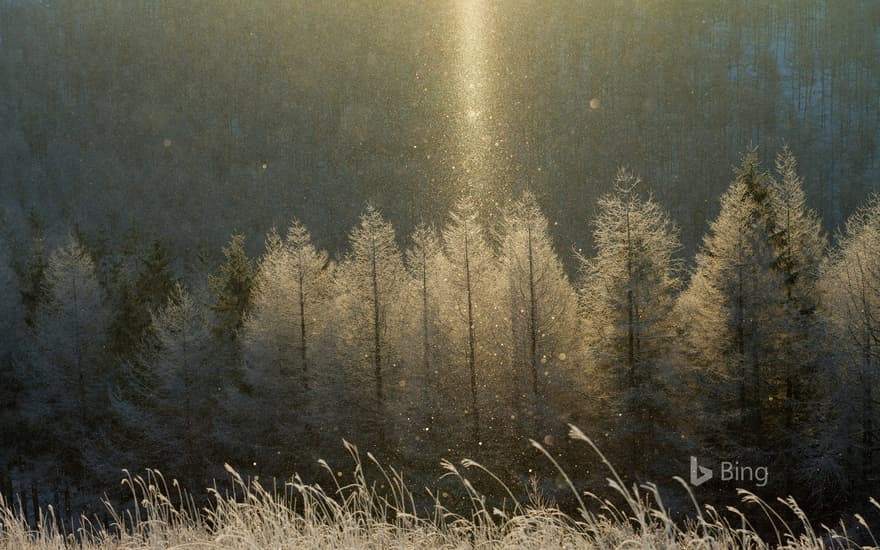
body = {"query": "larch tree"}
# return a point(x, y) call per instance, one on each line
point(69, 373)
point(313, 277)
point(628, 296)
point(474, 315)
point(288, 312)
point(291, 286)
point(796, 381)
point(423, 259)
point(733, 297)
point(543, 307)
point(176, 387)
point(371, 278)
point(851, 299)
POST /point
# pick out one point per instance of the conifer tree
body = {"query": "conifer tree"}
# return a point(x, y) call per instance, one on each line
point(475, 316)
point(796, 381)
point(732, 301)
point(851, 299)
point(751, 321)
point(231, 289)
point(34, 288)
point(171, 396)
point(70, 382)
point(280, 336)
point(371, 279)
point(543, 306)
point(628, 295)
point(422, 264)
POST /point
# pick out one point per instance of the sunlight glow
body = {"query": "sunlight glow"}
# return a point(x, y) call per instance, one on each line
point(473, 103)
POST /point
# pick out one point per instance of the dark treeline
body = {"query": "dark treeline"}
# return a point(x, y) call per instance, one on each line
point(170, 113)
point(465, 342)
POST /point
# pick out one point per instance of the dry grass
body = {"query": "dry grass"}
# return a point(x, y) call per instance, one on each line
point(357, 515)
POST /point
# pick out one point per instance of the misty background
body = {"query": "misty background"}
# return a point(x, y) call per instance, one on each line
point(191, 120)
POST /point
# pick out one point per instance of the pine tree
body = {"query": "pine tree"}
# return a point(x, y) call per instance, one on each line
point(628, 295)
point(34, 288)
point(543, 306)
point(12, 312)
point(231, 288)
point(12, 335)
point(371, 278)
point(139, 295)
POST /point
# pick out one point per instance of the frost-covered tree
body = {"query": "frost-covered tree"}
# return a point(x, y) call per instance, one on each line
point(371, 279)
point(734, 297)
point(543, 307)
point(475, 315)
point(628, 295)
point(752, 323)
point(172, 391)
point(800, 239)
point(751, 318)
point(291, 287)
point(68, 375)
point(280, 334)
point(423, 322)
point(851, 299)
point(795, 382)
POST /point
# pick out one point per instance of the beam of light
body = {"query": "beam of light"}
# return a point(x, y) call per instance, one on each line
point(473, 110)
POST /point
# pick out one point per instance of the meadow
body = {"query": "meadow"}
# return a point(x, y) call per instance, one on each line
point(360, 515)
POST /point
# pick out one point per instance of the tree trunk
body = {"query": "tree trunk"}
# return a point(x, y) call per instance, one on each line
point(426, 336)
point(377, 344)
point(533, 336)
point(302, 325)
point(81, 377)
point(740, 349)
point(472, 360)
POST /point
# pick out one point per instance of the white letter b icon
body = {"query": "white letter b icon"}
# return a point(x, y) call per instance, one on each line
point(699, 474)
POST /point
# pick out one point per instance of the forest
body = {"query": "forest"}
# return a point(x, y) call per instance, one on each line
point(201, 118)
point(239, 238)
point(467, 341)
